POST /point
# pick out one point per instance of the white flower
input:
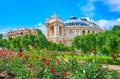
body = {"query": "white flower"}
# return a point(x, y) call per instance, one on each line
point(84, 71)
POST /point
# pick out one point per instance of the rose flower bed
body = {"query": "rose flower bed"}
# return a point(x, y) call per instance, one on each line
point(24, 65)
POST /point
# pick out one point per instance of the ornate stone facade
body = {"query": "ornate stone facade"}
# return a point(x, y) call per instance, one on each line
point(63, 32)
point(21, 32)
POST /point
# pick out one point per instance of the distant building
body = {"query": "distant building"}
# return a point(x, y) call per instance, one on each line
point(21, 32)
point(63, 32)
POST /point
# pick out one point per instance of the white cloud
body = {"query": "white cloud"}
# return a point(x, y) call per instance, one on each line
point(108, 24)
point(114, 5)
point(40, 26)
point(5, 30)
point(89, 8)
point(118, 19)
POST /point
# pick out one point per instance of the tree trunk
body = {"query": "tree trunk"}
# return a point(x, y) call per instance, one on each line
point(114, 55)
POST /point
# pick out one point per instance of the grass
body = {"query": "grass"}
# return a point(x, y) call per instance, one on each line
point(104, 59)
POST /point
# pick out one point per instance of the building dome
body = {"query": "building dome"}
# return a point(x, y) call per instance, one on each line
point(82, 22)
point(73, 17)
point(74, 21)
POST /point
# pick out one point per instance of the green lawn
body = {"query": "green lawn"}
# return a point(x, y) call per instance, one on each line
point(104, 59)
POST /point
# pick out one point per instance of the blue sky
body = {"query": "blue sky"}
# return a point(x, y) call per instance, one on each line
point(28, 13)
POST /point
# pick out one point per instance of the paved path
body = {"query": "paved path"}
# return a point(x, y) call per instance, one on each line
point(115, 67)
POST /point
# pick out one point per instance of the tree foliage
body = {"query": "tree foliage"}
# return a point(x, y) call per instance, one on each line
point(0, 36)
point(38, 41)
point(116, 28)
point(84, 42)
point(107, 42)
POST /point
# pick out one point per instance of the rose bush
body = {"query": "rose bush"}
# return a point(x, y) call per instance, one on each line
point(46, 65)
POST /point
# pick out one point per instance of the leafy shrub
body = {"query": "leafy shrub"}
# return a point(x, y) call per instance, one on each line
point(46, 65)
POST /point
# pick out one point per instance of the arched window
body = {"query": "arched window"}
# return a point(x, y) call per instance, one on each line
point(21, 33)
point(64, 34)
point(77, 32)
point(88, 31)
point(60, 31)
point(70, 33)
point(83, 32)
point(60, 41)
point(51, 30)
point(93, 32)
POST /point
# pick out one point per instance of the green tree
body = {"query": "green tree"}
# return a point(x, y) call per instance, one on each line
point(1, 43)
point(0, 36)
point(116, 28)
point(38, 41)
point(112, 43)
point(86, 43)
point(109, 43)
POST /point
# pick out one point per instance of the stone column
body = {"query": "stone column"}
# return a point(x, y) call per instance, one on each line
point(47, 32)
point(95, 32)
point(74, 33)
point(62, 31)
point(80, 32)
point(67, 33)
point(90, 31)
point(58, 30)
point(55, 30)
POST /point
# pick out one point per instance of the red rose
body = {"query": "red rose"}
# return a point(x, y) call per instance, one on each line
point(3, 54)
point(47, 63)
point(64, 73)
point(19, 54)
point(0, 51)
point(10, 53)
point(53, 70)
